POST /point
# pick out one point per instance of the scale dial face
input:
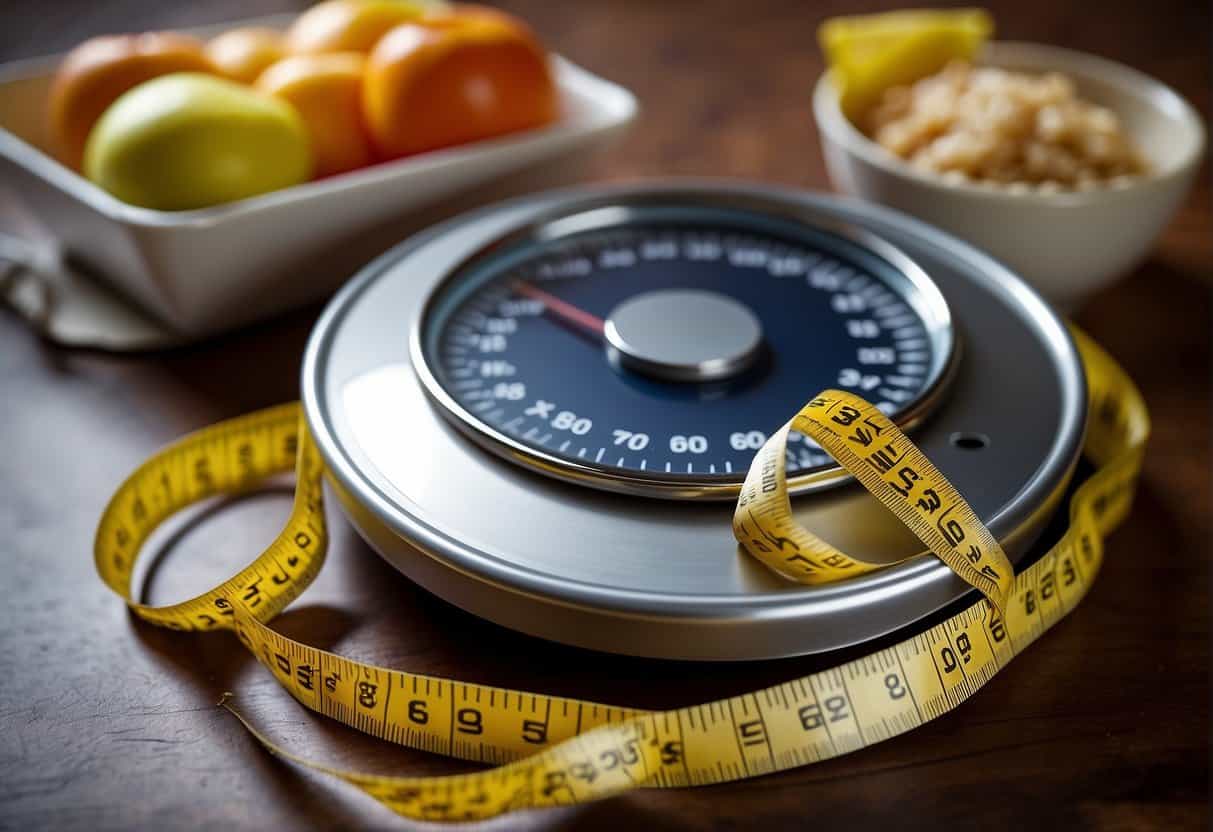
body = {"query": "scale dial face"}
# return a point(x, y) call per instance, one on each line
point(652, 349)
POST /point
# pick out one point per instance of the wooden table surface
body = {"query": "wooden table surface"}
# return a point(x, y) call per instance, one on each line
point(108, 723)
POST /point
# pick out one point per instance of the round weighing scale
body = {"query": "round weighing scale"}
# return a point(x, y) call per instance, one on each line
point(543, 411)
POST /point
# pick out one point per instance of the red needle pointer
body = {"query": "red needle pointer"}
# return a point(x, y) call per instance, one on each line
point(562, 309)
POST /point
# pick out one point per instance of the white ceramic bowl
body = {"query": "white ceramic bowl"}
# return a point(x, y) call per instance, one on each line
point(1065, 244)
point(212, 269)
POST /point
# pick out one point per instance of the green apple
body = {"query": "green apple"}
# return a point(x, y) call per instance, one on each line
point(189, 140)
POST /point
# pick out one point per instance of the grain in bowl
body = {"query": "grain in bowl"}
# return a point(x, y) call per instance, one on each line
point(998, 126)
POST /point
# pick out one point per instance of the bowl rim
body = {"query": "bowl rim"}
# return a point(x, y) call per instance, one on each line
point(1160, 97)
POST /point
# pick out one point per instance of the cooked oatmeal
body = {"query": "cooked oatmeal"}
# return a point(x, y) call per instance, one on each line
point(992, 125)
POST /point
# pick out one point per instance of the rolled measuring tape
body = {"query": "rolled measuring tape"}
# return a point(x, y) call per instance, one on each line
point(556, 751)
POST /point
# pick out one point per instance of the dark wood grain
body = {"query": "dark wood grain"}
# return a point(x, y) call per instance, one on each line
point(107, 723)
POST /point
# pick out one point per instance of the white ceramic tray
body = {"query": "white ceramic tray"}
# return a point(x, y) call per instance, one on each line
point(204, 271)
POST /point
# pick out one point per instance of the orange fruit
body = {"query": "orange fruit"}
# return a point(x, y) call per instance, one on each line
point(326, 90)
point(99, 70)
point(349, 25)
point(469, 76)
point(466, 14)
point(243, 54)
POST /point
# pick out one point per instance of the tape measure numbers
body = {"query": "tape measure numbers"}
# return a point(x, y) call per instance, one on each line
point(553, 751)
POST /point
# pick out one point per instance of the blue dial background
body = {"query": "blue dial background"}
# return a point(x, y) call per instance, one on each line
point(806, 341)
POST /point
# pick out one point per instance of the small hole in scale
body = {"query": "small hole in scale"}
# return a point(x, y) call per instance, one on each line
point(969, 441)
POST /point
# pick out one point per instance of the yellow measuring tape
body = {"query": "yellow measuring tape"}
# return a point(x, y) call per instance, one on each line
point(554, 751)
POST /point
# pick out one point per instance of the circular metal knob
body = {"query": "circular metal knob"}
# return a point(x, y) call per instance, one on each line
point(683, 335)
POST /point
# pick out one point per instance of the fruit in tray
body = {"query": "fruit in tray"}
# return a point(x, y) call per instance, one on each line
point(189, 140)
point(350, 25)
point(349, 84)
point(473, 75)
point(243, 54)
point(99, 70)
point(326, 90)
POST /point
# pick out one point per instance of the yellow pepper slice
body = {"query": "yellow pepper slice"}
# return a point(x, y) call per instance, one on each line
point(867, 54)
